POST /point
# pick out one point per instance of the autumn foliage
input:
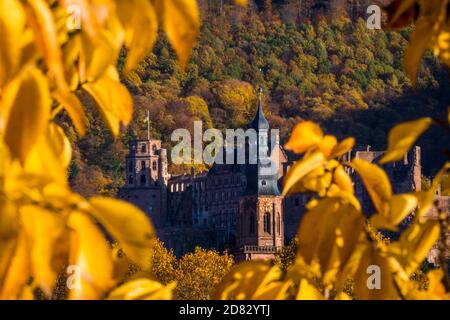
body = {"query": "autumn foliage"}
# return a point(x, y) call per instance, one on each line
point(47, 64)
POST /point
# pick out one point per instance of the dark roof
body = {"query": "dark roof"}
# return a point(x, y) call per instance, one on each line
point(260, 121)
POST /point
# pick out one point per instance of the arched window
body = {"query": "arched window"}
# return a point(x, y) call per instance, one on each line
point(278, 223)
point(130, 179)
point(154, 149)
point(267, 222)
point(143, 165)
point(143, 179)
point(263, 182)
point(144, 148)
point(252, 223)
point(154, 165)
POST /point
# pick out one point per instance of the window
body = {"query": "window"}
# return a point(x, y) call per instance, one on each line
point(267, 222)
point(154, 165)
point(130, 179)
point(144, 148)
point(252, 223)
point(143, 179)
point(263, 182)
point(297, 202)
point(154, 149)
point(278, 223)
point(130, 166)
point(143, 165)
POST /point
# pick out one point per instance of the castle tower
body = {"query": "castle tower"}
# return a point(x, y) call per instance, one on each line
point(260, 224)
point(146, 178)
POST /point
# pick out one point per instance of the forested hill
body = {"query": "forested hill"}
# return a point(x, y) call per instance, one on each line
point(339, 73)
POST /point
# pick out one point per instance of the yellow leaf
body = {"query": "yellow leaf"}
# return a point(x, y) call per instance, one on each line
point(43, 229)
point(252, 280)
point(308, 292)
point(242, 3)
point(376, 182)
point(27, 103)
point(181, 22)
point(60, 144)
point(374, 270)
point(343, 180)
point(301, 168)
point(328, 234)
point(17, 274)
point(138, 17)
point(142, 289)
point(70, 102)
point(414, 244)
point(305, 135)
point(97, 55)
point(426, 198)
point(42, 23)
point(400, 207)
point(128, 225)
point(91, 253)
point(12, 24)
point(343, 147)
point(113, 100)
point(327, 145)
point(420, 41)
point(402, 137)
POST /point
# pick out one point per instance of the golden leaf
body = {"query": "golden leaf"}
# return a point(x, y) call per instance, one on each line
point(60, 144)
point(308, 292)
point(343, 180)
point(402, 137)
point(91, 253)
point(113, 100)
point(181, 22)
point(328, 234)
point(142, 289)
point(327, 145)
point(70, 102)
point(400, 13)
point(400, 207)
point(374, 268)
point(242, 3)
point(421, 40)
point(43, 229)
point(343, 147)
point(12, 24)
point(138, 17)
point(301, 168)
point(128, 225)
point(44, 29)
point(17, 273)
point(97, 55)
point(414, 244)
point(305, 135)
point(26, 102)
point(376, 182)
point(252, 280)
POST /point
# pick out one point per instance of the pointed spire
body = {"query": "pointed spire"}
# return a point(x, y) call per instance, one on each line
point(260, 121)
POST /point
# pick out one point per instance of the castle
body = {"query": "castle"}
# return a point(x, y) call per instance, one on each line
point(235, 207)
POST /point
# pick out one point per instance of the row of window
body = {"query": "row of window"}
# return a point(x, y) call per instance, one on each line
point(143, 165)
point(266, 223)
point(143, 148)
point(142, 180)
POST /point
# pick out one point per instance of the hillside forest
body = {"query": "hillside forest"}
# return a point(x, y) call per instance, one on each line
point(335, 72)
